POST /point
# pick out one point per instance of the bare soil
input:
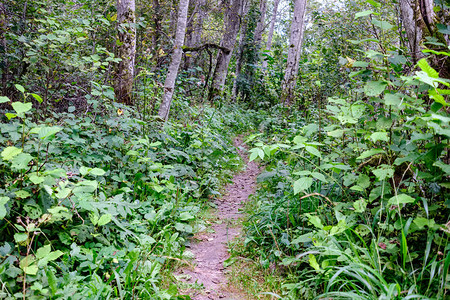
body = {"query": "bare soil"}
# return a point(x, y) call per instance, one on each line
point(210, 248)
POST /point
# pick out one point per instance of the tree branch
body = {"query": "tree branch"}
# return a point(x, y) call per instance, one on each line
point(206, 46)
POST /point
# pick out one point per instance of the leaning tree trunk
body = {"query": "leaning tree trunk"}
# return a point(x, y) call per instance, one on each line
point(271, 30)
point(172, 73)
point(233, 21)
point(295, 44)
point(126, 50)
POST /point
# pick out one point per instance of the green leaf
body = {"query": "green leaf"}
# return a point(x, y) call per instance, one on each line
point(22, 194)
point(401, 199)
point(104, 219)
point(379, 136)
point(46, 132)
point(185, 216)
point(313, 151)
point(20, 88)
point(21, 108)
point(20, 237)
point(3, 202)
point(319, 176)
point(363, 181)
point(383, 172)
point(392, 99)
point(384, 25)
point(314, 220)
point(313, 262)
point(374, 3)
point(336, 133)
point(365, 13)
point(374, 88)
point(28, 265)
point(20, 162)
point(444, 167)
point(43, 251)
point(302, 184)
point(97, 172)
point(10, 116)
point(9, 152)
point(360, 205)
point(37, 97)
point(369, 153)
point(423, 64)
point(34, 178)
point(4, 99)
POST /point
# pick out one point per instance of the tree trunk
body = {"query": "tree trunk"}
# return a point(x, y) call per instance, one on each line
point(261, 23)
point(409, 13)
point(172, 73)
point(271, 30)
point(233, 21)
point(194, 31)
point(295, 44)
point(126, 50)
point(240, 54)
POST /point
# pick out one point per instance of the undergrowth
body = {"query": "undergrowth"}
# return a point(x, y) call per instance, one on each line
point(100, 205)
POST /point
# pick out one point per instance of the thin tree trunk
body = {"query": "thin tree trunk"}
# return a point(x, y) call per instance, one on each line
point(240, 54)
point(260, 26)
point(126, 50)
point(295, 45)
point(194, 32)
point(271, 30)
point(233, 21)
point(409, 12)
point(172, 73)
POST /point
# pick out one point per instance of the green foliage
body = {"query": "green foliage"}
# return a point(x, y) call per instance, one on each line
point(355, 204)
point(93, 207)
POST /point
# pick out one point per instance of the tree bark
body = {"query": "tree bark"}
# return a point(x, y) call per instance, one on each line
point(126, 50)
point(409, 13)
point(271, 30)
point(233, 22)
point(240, 54)
point(194, 31)
point(295, 44)
point(261, 23)
point(172, 73)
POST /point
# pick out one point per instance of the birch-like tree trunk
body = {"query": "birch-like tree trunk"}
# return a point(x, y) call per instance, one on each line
point(271, 30)
point(295, 45)
point(261, 22)
point(126, 49)
point(233, 22)
point(409, 10)
point(194, 31)
point(172, 73)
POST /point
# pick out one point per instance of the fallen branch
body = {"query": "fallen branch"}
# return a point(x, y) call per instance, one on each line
point(206, 47)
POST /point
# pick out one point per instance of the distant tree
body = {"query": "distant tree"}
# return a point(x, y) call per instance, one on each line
point(194, 29)
point(172, 73)
point(294, 51)
point(271, 30)
point(232, 24)
point(126, 49)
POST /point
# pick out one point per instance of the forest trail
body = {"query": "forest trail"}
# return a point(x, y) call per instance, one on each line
point(210, 248)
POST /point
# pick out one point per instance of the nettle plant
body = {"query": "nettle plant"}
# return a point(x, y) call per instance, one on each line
point(75, 214)
point(372, 182)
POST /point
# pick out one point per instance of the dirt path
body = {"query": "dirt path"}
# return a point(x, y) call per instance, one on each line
point(210, 249)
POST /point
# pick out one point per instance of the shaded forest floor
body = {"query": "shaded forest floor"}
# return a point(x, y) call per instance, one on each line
point(207, 279)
